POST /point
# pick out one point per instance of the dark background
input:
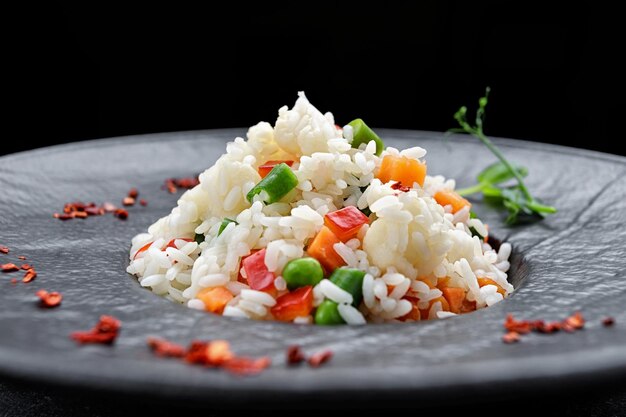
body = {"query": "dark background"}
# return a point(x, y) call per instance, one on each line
point(89, 71)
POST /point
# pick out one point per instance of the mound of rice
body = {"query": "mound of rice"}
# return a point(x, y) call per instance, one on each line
point(411, 250)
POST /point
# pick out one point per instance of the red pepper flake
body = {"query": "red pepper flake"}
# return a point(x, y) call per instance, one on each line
point(550, 327)
point(518, 326)
point(13, 281)
point(30, 275)
point(398, 186)
point(105, 332)
point(319, 358)
point(128, 201)
point(511, 337)
point(133, 193)
point(143, 202)
point(608, 321)
point(26, 267)
point(576, 322)
point(9, 267)
point(173, 184)
point(4, 249)
point(109, 207)
point(49, 299)
point(80, 214)
point(121, 214)
point(295, 355)
point(165, 348)
point(21, 258)
point(242, 365)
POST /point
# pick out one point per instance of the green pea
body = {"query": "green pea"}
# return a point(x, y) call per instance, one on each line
point(328, 314)
point(350, 280)
point(361, 133)
point(301, 272)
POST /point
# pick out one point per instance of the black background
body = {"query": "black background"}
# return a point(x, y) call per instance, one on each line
point(89, 71)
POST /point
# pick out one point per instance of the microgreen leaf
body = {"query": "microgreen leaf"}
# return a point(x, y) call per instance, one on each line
point(517, 199)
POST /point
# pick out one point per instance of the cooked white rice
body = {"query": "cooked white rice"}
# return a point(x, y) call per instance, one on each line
point(411, 244)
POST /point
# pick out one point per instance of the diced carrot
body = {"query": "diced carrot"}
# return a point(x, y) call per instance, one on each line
point(269, 165)
point(214, 299)
point(482, 281)
point(414, 314)
point(346, 222)
point(400, 168)
point(445, 197)
point(468, 306)
point(444, 307)
point(443, 282)
point(454, 297)
point(322, 249)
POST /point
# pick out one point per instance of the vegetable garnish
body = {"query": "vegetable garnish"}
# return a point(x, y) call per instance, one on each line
point(516, 199)
point(276, 184)
point(104, 332)
point(363, 134)
point(49, 299)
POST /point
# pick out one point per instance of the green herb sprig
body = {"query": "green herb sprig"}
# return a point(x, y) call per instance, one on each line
point(517, 199)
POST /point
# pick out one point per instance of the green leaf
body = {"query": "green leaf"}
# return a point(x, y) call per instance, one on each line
point(498, 172)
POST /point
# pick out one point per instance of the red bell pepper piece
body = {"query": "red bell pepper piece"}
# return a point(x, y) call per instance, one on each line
point(269, 165)
point(346, 222)
point(298, 303)
point(257, 274)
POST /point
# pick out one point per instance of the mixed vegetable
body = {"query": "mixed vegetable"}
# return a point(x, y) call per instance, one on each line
point(322, 267)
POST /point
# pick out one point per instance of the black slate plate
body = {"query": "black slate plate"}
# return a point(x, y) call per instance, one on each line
point(575, 260)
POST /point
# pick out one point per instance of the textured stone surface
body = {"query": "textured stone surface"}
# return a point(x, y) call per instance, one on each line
point(574, 260)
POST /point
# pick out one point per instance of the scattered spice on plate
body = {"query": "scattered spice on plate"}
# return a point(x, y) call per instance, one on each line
point(214, 354)
point(143, 202)
point(165, 348)
point(173, 184)
point(128, 201)
point(26, 267)
point(515, 328)
point(49, 299)
point(511, 337)
point(13, 281)
point(4, 249)
point(21, 258)
point(30, 275)
point(295, 355)
point(608, 321)
point(121, 214)
point(320, 358)
point(133, 193)
point(105, 332)
point(9, 267)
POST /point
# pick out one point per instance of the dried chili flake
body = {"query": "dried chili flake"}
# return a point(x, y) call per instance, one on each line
point(133, 193)
point(121, 214)
point(320, 358)
point(30, 275)
point(518, 326)
point(576, 322)
point(165, 348)
point(241, 365)
point(4, 249)
point(21, 258)
point(608, 321)
point(294, 355)
point(9, 267)
point(128, 201)
point(105, 332)
point(550, 327)
point(173, 184)
point(49, 299)
point(80, 214)
point(13, 281)
point(26, 267)
point(511, 337)
point(398, 186)
point(109, 207)
point(143, 202)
